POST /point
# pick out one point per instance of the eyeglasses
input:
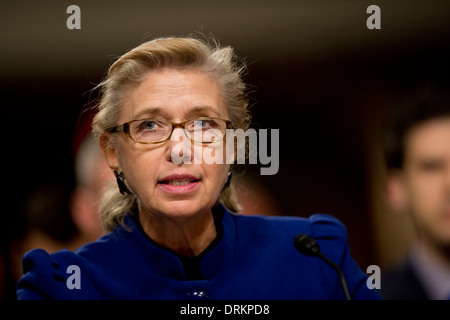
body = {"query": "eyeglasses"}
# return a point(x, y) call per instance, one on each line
point(152, 131)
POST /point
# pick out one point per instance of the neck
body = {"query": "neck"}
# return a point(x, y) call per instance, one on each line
point(187, 236)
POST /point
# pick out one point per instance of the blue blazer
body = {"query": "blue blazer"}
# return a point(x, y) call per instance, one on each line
point(255, 259)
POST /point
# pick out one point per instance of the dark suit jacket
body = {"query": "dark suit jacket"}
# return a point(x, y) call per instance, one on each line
point(402, 283)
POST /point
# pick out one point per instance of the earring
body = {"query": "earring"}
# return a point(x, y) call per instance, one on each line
point(121, 183)
point(227, 184)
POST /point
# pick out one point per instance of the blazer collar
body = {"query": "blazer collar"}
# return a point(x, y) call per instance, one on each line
point(158, 261)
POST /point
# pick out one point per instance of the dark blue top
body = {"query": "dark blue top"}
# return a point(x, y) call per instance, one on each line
point(254, 259)
point(402, 283)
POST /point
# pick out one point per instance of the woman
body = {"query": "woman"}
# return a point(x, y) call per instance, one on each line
point(172, 233)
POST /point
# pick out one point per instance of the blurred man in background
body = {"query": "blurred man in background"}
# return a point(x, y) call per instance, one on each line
point(416, 145)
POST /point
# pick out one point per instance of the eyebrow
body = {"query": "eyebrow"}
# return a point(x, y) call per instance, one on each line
point(149, 112)
point(195, 111)
point(204, 111)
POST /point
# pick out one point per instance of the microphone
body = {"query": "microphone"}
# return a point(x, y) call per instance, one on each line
point(308, 246)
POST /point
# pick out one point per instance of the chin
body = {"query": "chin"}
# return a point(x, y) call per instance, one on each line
point(183, 208)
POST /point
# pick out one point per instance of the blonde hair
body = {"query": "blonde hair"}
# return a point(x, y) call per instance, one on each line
point(220, 63)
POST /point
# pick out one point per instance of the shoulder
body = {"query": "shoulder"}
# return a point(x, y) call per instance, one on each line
point(322, 227)
point(275, 237)
point(317, 220)
point(44, 273)
point(47, 275)
point(276, 234)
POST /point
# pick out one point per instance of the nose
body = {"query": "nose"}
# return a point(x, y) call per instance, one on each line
point(179, 147)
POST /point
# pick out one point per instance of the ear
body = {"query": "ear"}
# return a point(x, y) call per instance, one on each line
point(395, 191)
point(109, 150)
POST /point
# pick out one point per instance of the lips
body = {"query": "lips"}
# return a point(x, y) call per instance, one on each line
point(176, 182)
point(179, 179)
point(179, 183)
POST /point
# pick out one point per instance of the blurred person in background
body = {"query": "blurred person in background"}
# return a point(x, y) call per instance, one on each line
point(46, 223)
point(416, 143)
point(92, 174)
point(56, 217)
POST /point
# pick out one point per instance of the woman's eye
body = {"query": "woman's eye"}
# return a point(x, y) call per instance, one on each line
point(148, 125)
point(203, 124)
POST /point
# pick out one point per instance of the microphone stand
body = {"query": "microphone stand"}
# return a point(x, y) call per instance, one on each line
point(306, 244)
point(340, 273)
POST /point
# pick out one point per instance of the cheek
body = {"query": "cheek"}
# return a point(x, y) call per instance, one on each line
point(140, 166)
point(425, 196)
point(216, 175)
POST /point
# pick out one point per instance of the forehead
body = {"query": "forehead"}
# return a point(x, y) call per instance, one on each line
point(174, 94)
point(429, 139)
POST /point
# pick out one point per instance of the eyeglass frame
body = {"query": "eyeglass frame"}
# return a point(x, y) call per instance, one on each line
point(125, 128)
